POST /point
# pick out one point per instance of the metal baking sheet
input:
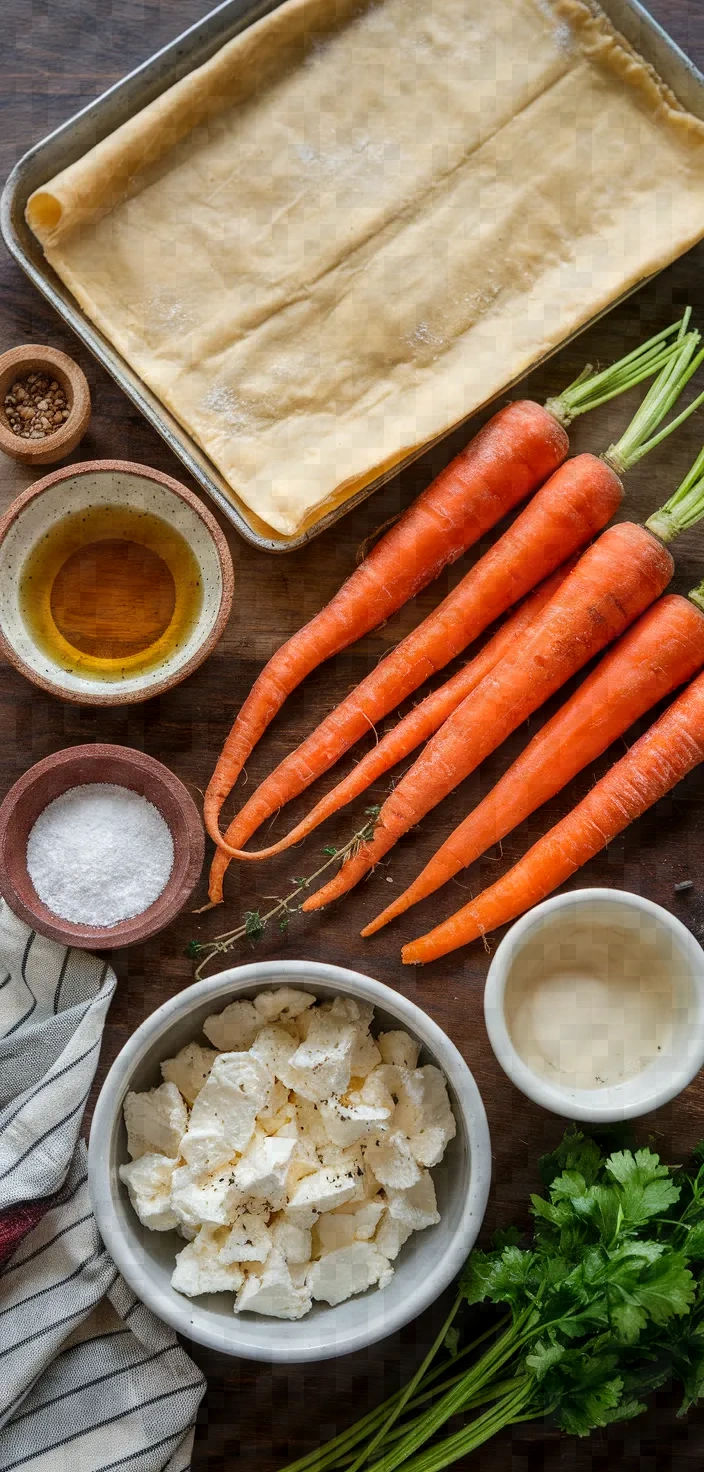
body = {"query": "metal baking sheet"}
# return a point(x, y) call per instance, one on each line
point(135, 91)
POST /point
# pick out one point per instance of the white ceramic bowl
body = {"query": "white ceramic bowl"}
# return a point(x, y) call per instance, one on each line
point(427, 1263)
point(670, 1070)
point(114, 483)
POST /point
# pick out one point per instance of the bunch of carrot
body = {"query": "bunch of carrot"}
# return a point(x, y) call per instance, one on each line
point(519, 449)
point(581, 604)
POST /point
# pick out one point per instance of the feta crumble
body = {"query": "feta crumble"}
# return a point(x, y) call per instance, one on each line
point(292, 1152)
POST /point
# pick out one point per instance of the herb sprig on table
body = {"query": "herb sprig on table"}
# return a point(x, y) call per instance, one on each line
point(601, 1306)
point(253, 924)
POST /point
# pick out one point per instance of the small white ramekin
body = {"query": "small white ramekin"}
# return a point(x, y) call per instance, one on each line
point(667, 1074)
point(425, 1266)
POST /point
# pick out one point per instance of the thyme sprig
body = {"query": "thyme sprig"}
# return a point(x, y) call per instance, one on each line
point(253, 924)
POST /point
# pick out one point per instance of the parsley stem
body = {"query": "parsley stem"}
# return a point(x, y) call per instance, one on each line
point(408, 1392)
point(512, 1408)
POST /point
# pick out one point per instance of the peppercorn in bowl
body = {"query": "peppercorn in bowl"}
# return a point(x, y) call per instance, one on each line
point(321, 1231)
point(44, 405)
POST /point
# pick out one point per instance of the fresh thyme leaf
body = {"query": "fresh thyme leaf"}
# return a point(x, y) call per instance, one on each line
point(330, 850)
point(283, 924)
point(193, 948)
point(254, 926)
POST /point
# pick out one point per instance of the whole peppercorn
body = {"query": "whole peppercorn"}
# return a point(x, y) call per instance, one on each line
point(35, 406)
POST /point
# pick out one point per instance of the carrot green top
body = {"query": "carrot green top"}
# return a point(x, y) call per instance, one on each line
point(684, 509)
point(591, 389)
point(643, 432)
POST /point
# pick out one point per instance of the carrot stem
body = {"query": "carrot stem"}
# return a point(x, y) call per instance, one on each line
point(591, 389)
point(685, 508)
point(640, 437)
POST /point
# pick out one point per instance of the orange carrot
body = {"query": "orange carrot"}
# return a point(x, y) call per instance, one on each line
point(578, 500)
point(616, 579)
point(416, 727)
point(672, 747)
point(661, 651)
point(508, 459)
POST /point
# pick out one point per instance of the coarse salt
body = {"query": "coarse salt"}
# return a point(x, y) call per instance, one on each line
point(99, 854)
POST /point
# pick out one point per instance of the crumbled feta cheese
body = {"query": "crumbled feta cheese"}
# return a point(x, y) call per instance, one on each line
point(283, 1002)
point(333, 1230)
point(399, 1048)
point(346, 1125)
point(311, 1122)
point(262, 1170)
point(349, 1270)
point(279, 1109)
point(305, 1160)
point(292, 1241)
point(234, 1029)
point(423, 1113)
point(302, 1167)
point(249, 1238)
point(350, 1009)
point(299, 1274)
point(324, 1189)
point(223, 1116)
point(199, 1268)
point(274, 1046)
point(342, 1226)
point(155, 1122)
point(417, 1207)
point(324, 1060)
point(189, 1069)
point(365, 1055)
point(204, 1196)
point(391, 1235)
point(366, 1219)
point(390, 1159)
point(301, 1216)
point(381, 1087)
point(273, 1292)
point(148, 1180)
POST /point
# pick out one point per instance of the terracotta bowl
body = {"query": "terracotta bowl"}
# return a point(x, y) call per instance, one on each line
point(18, 363)
point(119, 483)
point(77, 765)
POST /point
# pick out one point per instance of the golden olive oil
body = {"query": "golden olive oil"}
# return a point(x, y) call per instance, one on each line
point(110, 591)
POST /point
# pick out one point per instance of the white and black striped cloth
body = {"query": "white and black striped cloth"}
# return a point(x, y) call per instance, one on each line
point(90, 1380)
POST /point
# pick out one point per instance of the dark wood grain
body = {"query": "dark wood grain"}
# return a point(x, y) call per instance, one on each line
point(55, 59)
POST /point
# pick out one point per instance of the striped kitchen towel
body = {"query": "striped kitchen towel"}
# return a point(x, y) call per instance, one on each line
point(89, 1378)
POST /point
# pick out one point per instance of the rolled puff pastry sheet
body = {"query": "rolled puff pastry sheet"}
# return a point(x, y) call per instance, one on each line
point(359, 221)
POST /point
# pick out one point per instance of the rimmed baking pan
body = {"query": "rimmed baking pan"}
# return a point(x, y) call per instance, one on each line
point(100, 118)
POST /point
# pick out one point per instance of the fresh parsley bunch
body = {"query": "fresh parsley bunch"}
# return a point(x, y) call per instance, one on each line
point(604, 1304)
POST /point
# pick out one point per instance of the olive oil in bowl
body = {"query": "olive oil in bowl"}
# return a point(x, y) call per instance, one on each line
point(110, 591)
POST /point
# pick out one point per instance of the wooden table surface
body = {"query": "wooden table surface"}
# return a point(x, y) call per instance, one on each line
point(58, 58)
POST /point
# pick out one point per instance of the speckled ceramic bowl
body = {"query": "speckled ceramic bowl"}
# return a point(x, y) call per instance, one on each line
point(427, 1263)
point(119, 483)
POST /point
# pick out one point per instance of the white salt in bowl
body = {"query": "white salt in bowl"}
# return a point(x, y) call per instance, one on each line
point(426, 1264)
point(77, 766)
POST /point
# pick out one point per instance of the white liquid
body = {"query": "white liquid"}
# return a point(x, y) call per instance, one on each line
point(592, 1005)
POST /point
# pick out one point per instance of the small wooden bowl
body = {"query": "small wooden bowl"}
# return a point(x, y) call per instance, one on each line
point(77, 765)
point(18, 363)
